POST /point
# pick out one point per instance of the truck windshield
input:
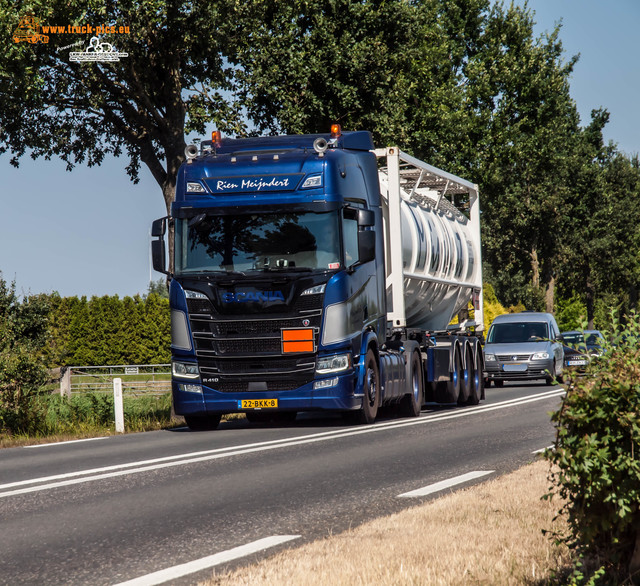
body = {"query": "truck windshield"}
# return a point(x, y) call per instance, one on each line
point(258, 242)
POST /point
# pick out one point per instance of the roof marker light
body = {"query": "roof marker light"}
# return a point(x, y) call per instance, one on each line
point(336, 131)
point(216, 138)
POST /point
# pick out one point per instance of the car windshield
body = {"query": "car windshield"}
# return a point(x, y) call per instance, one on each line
point(515, 332)
point(258, 242)
point(573, 339)
point(595, 340)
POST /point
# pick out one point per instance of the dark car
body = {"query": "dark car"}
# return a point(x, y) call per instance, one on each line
point(581, 347)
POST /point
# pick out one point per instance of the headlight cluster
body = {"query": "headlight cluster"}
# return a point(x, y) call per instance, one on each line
point(336, 363)
point(185, 370)
point(489, 357)
point(540, 356)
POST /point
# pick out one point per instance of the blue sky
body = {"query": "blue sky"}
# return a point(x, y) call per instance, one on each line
point(87, 232)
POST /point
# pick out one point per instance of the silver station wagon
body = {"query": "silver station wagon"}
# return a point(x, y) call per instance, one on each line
point(523, 346)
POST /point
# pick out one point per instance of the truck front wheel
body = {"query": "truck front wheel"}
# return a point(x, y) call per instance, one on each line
point(371, 398)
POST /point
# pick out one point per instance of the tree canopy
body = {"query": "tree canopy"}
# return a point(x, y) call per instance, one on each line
point(464, 84)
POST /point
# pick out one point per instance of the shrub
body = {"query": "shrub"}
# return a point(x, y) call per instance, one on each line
point(597, 461)
point(23, 335)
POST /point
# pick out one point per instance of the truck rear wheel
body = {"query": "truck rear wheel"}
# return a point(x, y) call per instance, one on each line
point(371, 398)
point(449, 391)
point(466, 378)
point(477, 381)
point(411, 404)
point(203, 422)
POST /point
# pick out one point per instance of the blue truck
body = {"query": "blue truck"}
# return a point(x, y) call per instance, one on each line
point(316, 273)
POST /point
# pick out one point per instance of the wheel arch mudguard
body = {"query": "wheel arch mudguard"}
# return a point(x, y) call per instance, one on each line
point(369, 341)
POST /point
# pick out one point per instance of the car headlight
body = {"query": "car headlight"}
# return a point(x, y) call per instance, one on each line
point(336, 363)
point(489, 357)
point(540, 356)
point(185, 370)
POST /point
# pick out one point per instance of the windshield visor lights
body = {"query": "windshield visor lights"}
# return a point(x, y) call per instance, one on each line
point(312, 182)
point(194, 187)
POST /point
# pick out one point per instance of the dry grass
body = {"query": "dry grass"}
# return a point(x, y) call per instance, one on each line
point(488, 534)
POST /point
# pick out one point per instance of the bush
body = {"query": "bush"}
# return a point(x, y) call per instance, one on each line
point(23, 336)
point(597, 461)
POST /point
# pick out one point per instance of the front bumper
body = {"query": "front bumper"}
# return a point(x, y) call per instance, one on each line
point(340, 397)
point(521, 370)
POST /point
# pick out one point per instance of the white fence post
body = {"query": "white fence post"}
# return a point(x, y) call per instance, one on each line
point(117, 404)
point(65, 383)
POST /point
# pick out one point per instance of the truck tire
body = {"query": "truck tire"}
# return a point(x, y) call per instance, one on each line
point(466, 378)
point(449, 391)
point(203, 422)
point(411, 404)
point(371, 398)
point(477, 381)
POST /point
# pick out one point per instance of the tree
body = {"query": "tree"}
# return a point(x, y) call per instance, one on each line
point(23, 336)
point(171, 82)
point(599, 256)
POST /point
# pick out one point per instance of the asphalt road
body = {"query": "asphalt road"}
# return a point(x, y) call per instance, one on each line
point(114, 509)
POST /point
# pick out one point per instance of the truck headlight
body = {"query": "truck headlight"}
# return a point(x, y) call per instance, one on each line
point(489, 357)
point(336, 363)
point(185, 370)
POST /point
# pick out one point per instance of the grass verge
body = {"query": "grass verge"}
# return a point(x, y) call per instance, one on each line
point(490, 533)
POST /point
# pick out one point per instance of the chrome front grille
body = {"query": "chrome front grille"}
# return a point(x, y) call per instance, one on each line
point(513, 357)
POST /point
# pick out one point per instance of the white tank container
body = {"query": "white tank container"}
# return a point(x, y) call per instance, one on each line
point(440, 255)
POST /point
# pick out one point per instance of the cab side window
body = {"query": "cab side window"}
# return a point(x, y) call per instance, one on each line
point(350, 240)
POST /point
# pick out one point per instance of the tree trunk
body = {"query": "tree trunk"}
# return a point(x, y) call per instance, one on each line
point(634, 564)
point(590, 302)
point(549, 296)
point(535, 268)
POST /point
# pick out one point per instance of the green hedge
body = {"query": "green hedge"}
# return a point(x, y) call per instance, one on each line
point(109, 330)
point(596, 461)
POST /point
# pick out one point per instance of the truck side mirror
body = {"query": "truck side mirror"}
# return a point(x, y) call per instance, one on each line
point(158, 250)
point(158, 256)
point(159, 227)
point(366, 218)
point(366, 246)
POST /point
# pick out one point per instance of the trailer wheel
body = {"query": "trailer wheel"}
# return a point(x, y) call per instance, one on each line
point(411, 404)
point(466, 379)
point(449, 391)
point(477, 381)
point(203, 422)
point(371, 399)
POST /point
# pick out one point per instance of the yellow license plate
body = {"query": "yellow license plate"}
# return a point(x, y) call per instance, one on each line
point(258, 404)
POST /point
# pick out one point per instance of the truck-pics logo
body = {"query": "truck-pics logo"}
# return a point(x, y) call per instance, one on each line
point(97, 51)
point(29, 30)
point(252, 296)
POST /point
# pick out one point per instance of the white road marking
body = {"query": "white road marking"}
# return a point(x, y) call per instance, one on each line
point(438, 486)
point(86, 439)
point(542, 450)
point(182, 570)
point(116, 470)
